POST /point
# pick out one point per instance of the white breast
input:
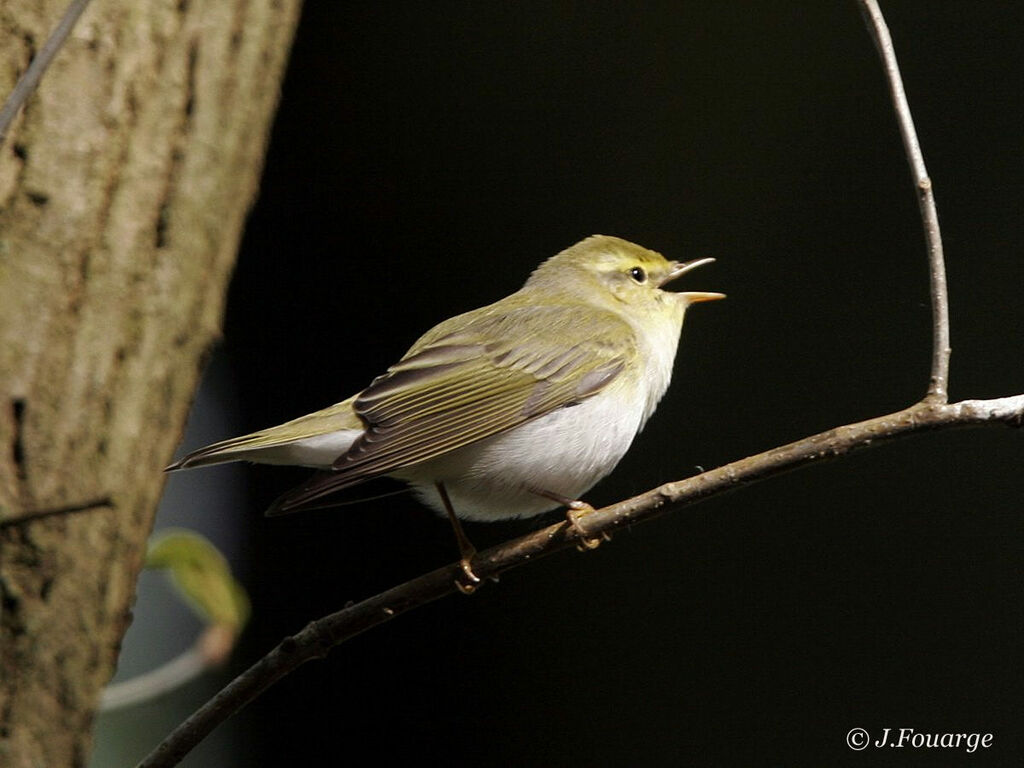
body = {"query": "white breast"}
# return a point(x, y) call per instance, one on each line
point(564, 453)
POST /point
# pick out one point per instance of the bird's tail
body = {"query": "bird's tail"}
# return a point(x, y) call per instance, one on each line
point(315, 440)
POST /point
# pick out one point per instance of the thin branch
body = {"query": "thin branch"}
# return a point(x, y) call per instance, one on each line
point(209, 650)
point(320, 636)
point(938, 387)
point(26, 86)
point(182, 669)
point(71, 509)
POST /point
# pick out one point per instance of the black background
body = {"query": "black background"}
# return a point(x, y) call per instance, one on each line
point(427, 156)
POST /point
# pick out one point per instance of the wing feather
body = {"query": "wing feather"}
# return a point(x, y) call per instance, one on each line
point(455, 387)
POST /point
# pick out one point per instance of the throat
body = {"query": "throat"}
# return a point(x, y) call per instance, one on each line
point(660, 343)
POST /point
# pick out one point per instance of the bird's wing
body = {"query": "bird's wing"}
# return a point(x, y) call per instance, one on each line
point(500, 369)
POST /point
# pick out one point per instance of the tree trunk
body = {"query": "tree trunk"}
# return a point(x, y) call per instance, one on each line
point(123, 192)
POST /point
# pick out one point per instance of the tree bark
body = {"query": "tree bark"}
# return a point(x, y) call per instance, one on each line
point(123, 192)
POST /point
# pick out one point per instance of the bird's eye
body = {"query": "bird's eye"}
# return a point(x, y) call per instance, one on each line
point(638, 274)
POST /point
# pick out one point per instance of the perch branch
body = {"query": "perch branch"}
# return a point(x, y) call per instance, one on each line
point(320, 636)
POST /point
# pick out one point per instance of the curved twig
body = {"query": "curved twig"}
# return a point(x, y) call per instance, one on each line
point(182, 669)
point(210, 650)
point(938, 386)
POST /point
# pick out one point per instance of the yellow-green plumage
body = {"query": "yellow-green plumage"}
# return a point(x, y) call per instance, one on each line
point(467, 402)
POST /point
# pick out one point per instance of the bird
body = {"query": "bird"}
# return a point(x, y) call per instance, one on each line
point(506, 411)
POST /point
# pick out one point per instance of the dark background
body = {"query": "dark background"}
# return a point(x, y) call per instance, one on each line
point(427, 156)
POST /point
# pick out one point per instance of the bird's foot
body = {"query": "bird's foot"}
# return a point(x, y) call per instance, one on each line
point(577, 510)
point(469, 584)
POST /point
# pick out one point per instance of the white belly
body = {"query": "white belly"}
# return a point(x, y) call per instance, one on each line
point(564, 453)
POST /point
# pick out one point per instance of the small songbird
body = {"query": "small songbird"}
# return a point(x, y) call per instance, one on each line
point(506, 411)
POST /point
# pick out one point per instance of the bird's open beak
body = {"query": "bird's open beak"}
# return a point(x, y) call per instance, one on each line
point(681, 268)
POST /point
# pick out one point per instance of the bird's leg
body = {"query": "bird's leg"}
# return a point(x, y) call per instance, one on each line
point(466, 548)
point(576, 510)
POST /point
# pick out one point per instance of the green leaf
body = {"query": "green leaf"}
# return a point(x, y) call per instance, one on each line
point(201, 575)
